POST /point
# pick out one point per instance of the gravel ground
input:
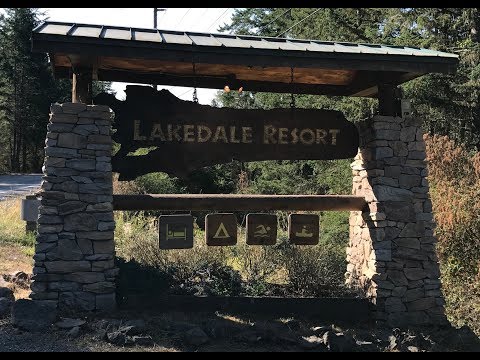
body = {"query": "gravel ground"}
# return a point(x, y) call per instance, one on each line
point(169, 333)
point(11, 339)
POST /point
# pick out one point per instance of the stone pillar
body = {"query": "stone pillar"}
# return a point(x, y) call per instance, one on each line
point(391, 254)
point(74, 253)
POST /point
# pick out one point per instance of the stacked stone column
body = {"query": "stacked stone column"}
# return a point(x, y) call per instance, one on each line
point(74, 253)
point(391, 254)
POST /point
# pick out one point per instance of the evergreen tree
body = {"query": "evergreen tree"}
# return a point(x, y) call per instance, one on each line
point(448, 104)
point(27, 89)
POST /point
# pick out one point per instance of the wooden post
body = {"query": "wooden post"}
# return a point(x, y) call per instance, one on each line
point(237, 202)
point(82, 86)
point(388, 100)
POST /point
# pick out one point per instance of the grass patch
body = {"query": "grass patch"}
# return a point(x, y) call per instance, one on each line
point(12, 228)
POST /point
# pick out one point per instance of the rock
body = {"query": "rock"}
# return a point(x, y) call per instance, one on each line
point(65, 267)
point(5, 306)
point(412, 349)
point(411, 243)
point(389, 193)
point(67, 323)
point(129, 330)
point(412, 230)
point(85, 277)
point(407, 134)
point(138, 324)
point(195, 336)
point(320, 330)
point(100, 139)
point(338, 342)
point(7, 293)
point(392, 343)
point(366, 346)
point(74, 332)
point(394, 304)
point(81, 164)
point(145, 340)
point(397, 277)
point(73, 108)
point(117, 338)
point(382, 152)
point(31, 315)
point(68, 250)
point(103, 247)
point(311, 342)
point(293, 324)
point(103, 287)
point(80, 222)
point(71, 207)
point(72, 141)
point(78, 300)
point(421, 304)
point(415, 273)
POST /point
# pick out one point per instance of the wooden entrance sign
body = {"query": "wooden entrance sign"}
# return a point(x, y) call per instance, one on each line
point(221, 229)
point(261, 229)
point(303, 229)
point(181, 136)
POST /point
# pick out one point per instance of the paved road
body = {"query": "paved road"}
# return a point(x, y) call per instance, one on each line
point(19, 184)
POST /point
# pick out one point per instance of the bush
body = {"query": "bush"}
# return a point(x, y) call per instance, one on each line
point(454, 177)
point(316, 270)
point(239, 270)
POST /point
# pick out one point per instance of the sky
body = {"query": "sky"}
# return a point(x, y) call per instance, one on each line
point(183, 19)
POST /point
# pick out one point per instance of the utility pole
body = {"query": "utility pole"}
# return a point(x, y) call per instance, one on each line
point(155, 16)
point(155, 23)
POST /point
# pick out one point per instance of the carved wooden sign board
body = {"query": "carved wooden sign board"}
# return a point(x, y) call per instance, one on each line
point(183, 136)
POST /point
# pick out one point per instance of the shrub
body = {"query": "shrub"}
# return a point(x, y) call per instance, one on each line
point(454, 177)
point(316, 270)
point(238, 270)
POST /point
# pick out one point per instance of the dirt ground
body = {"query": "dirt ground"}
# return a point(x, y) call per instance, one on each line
point(226, 333)
point(14, 258)
point(172, 332)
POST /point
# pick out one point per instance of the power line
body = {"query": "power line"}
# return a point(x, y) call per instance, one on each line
point(183, 17)
point(278, 17)
point(186, 92)
point(221, 16)
point(298, 22)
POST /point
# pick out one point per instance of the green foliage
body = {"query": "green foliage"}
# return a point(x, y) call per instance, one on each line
point(448, 104)
point(27, 89)
point(159, 183)
point(298, 177)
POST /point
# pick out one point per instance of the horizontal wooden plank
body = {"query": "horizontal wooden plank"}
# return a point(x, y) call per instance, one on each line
point(331, 309)
point(238, 202)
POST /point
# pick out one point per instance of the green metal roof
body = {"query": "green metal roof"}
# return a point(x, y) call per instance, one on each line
point(371, 64)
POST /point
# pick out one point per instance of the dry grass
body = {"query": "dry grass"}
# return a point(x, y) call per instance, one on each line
point(12, 228)
point(16, 247)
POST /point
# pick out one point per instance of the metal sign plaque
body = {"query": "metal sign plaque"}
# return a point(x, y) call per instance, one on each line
point(175, 231)
point(261, 229)
point(221, 229)
point(303, 229)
